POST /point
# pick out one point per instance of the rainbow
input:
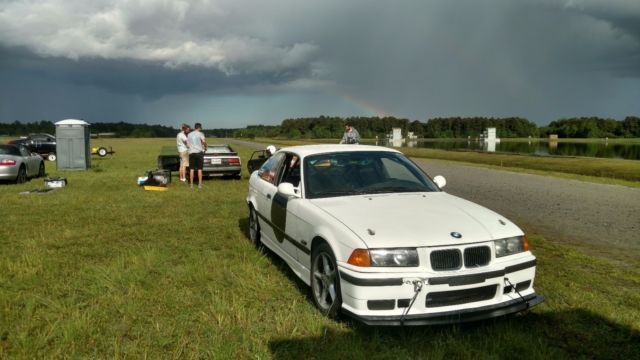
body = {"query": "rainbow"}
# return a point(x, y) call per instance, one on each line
point(369, 107)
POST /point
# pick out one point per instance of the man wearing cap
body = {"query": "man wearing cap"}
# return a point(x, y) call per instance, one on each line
point(351, 135)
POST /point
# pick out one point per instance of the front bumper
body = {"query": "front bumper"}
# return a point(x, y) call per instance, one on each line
point(221, 170)
point(453, 317)
point(393, 298)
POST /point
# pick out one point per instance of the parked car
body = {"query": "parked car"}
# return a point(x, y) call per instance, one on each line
point(376, 238)
point(43, 144)
point(17, 163)
point(220, 159)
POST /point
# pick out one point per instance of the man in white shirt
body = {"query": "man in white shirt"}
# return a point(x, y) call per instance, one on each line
point(181, 140)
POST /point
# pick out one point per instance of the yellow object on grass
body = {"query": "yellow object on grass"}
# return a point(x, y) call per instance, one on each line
point(155, 188)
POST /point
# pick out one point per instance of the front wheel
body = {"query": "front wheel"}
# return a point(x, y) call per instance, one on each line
point(325, 281)
point(51, 157)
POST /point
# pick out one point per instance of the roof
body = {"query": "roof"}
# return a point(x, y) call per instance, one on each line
point(72, 122)
point(306, 150)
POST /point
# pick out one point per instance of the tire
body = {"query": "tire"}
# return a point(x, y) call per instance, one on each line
point(41, 170)
point(238, 176)
point(254, 228)
point(52, 157)
point(102, 152)
point(22, 175)
point(325, 281)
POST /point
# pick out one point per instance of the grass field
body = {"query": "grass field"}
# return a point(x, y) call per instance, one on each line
point(103, 269)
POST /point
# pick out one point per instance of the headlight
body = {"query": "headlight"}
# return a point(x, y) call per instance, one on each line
point(510, 246)
point(394, 257)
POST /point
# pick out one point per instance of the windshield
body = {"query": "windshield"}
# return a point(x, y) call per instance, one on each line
point(217, 149)
point(358, 173)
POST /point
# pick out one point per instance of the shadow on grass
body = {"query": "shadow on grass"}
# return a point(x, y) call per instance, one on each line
point(564, 334)
point(534, 334)
point(280, 264)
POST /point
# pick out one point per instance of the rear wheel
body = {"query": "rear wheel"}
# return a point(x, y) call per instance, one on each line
point(51, 157)
point(41, 170)
point(325, 281)
point(254, 228)
point(22, 175)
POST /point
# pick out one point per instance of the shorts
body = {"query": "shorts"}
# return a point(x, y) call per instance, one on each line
point(184, 159)
point(196, 161)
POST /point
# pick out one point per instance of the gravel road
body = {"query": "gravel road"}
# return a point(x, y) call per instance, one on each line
point(565, 210)
point(568, 210)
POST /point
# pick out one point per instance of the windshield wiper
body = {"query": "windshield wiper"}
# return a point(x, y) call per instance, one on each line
point(338, 193)
point(394, 189)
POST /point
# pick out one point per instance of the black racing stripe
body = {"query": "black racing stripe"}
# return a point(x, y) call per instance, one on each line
point(518, 267)
point(370, 282)
point(286, 237)
point(466, 279)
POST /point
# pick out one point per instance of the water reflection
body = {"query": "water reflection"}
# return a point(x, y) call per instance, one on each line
point(601, 150)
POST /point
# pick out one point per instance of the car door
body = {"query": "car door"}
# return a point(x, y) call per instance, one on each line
point(284, 208)
point(265, 191)
point(272, 206)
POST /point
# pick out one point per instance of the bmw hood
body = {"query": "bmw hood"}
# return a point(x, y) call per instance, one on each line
point(417, 219)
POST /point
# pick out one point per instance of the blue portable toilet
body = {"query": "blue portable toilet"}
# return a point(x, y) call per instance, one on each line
point(73, 145)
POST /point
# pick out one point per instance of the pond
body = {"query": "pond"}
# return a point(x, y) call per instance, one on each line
point(601, 149)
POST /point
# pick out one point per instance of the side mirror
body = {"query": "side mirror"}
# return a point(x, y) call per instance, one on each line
point(287, 189)
point(440, 181)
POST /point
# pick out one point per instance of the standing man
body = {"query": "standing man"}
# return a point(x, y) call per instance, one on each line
point(181, 141)
point(351, 135)
point(197, 146)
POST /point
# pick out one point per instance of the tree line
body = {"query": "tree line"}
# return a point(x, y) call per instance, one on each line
point(120, 129)
point(326, 127)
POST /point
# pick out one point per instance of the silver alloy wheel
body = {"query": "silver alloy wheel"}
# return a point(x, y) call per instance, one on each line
point(51, 157)
point(325, 282)
point(102, 152)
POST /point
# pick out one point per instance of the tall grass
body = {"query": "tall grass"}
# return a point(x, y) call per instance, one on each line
point(103, 269)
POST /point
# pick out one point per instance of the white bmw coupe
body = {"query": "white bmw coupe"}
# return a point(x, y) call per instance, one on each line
point(377, 239)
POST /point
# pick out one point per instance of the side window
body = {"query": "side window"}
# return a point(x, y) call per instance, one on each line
point(291, 172)
point(24, 151)
point(269, 170)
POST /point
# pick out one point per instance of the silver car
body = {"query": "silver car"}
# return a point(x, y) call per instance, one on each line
point(18, 164)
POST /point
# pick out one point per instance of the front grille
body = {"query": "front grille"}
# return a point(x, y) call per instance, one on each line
point(446, 259)
point(457, 297)
point(452, 259)
point(477, 256)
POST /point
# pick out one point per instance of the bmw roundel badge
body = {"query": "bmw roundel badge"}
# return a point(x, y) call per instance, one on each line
point(456, 235)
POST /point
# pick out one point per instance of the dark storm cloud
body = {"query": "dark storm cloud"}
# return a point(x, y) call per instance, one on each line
point(135, 77)
point(540, 59)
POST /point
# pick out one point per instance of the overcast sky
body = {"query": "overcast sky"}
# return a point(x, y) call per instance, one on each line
point(233, 63)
